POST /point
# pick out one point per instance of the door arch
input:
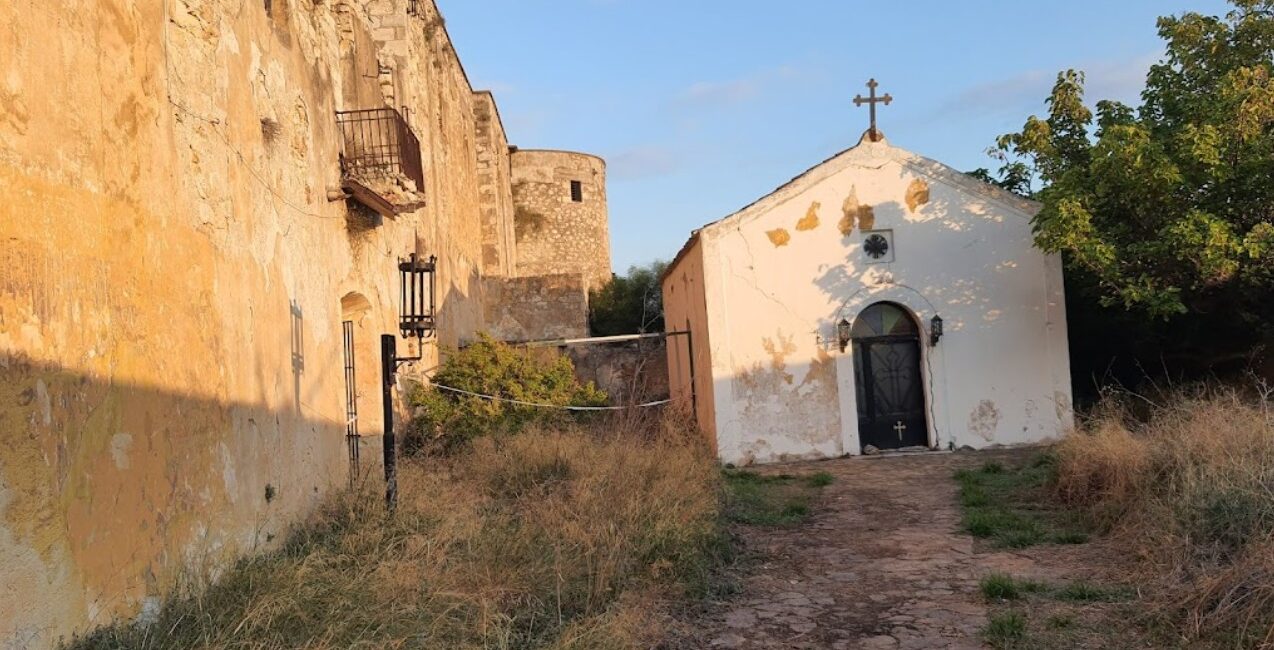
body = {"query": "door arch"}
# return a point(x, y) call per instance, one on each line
point(888, 380)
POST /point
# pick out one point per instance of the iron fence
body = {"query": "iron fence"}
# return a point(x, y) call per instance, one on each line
point(379, 143)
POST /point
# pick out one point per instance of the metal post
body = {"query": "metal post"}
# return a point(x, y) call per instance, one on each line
point(389, 367)
point(694, 395)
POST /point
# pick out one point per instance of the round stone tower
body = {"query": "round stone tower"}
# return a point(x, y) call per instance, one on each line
point(560, 214)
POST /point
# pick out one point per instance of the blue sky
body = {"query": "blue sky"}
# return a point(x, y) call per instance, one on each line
point(702, 106)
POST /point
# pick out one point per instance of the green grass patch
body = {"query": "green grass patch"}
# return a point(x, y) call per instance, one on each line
point(1000, 586)
point(1005, 630)
point(771, 500)
point(1005, 506)
point(821, 479)
point(1086, 592)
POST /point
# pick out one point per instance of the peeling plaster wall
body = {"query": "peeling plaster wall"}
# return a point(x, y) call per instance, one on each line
point(555, 234)
point(782, 387)
point(172, 276)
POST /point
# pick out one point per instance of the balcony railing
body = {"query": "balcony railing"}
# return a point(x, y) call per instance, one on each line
point(380, 155)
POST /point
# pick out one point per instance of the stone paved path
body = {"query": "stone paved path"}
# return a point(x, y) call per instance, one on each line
point(882, 565)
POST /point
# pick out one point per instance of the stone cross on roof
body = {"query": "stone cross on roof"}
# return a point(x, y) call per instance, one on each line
point(871, 102)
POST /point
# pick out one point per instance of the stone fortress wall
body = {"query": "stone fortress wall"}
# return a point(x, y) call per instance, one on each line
point(177, 262)
point(558, 232)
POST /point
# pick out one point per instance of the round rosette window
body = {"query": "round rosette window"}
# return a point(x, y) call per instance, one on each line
point(876, 246)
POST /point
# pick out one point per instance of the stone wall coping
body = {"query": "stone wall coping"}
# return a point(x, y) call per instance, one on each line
point(562, 152)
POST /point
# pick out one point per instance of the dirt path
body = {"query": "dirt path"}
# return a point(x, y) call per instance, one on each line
point(882, 565)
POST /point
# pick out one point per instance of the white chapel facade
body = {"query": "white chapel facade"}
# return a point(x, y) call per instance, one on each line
point(879, 301)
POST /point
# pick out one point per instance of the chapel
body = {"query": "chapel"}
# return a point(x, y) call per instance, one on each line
point(880, 301)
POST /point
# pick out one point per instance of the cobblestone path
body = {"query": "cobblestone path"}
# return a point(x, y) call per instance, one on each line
point(881, 565)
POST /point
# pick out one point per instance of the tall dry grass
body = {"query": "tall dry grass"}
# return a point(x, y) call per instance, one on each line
point(1191, 488)
point(548, 539)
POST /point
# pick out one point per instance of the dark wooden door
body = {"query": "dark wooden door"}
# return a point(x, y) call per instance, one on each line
point(891, 401)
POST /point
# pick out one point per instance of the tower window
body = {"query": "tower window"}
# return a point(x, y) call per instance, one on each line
point(577, 191)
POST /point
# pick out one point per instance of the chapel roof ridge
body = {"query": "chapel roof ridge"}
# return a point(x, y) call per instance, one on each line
point(882, 150)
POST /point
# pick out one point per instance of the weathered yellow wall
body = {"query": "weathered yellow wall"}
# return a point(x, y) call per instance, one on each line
point(686, 310)
point(171, 279)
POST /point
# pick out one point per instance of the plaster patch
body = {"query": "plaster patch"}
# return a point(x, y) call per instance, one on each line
point(228, 478)
point(121, 443)
point(984, 419)
point(778, 355)
point(917, 194)
point(779, 237)
point(1062, 403)
point(866, 217)
point(43, 402)
point(855, 213)
point(810, 220)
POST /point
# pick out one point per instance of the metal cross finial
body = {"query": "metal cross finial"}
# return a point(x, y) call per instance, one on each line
point(871, 102)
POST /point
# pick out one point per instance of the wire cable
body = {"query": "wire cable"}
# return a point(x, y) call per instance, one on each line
point(549, 406)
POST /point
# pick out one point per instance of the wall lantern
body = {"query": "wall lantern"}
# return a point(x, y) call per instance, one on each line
point(419, 280)
point(843, 330)
point(417, 319)
point(935, 330)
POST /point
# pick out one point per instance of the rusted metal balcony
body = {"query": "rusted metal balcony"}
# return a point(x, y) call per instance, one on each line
point(381, 165)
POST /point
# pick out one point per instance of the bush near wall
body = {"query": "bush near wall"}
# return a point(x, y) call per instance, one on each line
point(445, 419)
point(1191, 489)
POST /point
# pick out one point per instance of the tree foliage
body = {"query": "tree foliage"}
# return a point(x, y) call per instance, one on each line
point(629, 304)
point(1167, 207)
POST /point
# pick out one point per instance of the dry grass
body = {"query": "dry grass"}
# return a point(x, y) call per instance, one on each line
point(573, 539)
point(1192, 489)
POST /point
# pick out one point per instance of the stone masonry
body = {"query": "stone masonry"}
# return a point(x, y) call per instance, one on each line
point(555, 232)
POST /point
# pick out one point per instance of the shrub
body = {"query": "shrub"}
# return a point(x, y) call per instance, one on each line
point(1192, 489)
point(445, 419)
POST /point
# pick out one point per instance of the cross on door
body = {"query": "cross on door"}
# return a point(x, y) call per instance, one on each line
point(871, 102)
point(900, 427)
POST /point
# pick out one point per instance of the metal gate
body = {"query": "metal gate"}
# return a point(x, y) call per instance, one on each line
point(351, 402)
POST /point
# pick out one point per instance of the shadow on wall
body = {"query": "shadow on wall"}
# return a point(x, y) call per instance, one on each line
point(111, 492)
point(850, 281)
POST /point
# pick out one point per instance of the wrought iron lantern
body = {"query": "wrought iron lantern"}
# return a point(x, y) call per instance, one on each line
point(935, 330)
point(843, 330)
point(417, 317)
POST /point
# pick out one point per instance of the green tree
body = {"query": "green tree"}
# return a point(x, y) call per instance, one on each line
point(1169, 206)
point(629, 304)
point(1165, 210)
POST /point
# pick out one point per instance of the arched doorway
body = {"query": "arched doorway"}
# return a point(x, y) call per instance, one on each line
point(888, 380)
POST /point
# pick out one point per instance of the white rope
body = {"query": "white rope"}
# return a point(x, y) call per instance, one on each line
point(550, 406)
